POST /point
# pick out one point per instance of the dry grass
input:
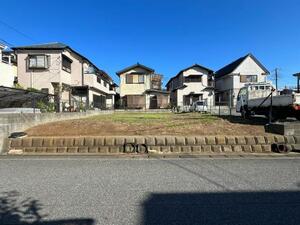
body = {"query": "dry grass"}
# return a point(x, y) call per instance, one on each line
point(149, 124)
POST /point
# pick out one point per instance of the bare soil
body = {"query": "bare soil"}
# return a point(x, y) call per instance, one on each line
point(151, 124)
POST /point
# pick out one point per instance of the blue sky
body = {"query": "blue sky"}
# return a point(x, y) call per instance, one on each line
point(165, 35)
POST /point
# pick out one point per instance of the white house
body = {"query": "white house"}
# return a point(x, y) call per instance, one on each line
point(8, 67)
point(191, 84)
point(232, 77)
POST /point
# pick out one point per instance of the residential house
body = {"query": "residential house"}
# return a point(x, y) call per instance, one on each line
point(191, 84)
point(58, 69)
point(8, 67)
point(232, 77)
point(140, 87)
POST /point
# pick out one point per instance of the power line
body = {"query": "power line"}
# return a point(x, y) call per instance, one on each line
point(17, 31)
point(6, 42)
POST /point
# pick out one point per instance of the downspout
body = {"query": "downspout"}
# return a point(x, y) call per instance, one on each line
point(82, 84)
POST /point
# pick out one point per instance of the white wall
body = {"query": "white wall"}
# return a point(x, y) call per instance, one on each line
point(8, 72)
point(196, 87)
point(248, 67)
point(91, 80)
point(224, 83)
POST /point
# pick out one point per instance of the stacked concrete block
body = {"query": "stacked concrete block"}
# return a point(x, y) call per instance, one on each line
point(156, 144)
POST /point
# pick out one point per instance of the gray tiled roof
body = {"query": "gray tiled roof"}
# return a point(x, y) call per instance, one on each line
point(53, 45)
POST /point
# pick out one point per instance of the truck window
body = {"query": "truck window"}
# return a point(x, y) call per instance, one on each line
point(242, 92)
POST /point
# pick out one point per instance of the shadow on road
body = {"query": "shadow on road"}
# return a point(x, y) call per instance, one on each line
point(14, 211)
point(232, 208)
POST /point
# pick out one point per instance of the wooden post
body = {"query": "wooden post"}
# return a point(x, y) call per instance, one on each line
point(219, 105)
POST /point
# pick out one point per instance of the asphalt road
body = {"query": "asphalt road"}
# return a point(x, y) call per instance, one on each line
point(85, 191)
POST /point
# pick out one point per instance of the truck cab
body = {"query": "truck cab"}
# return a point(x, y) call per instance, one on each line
point(252, 91)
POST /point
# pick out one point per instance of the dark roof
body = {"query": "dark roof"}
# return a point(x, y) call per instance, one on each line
point(190, 67)
point(233, 65)
point(53, 45)
point(134, 66)
point(59, 46)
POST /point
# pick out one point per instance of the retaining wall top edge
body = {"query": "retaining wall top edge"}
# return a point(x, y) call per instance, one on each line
point(159, 136)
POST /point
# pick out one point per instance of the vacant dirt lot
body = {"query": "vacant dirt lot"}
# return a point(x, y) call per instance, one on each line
point(151, 124)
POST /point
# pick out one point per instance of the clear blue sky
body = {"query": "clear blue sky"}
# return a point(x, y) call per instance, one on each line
point(165, 35)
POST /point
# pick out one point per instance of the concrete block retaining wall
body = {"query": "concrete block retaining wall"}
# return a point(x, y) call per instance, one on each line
point(20, 121)
point(162, 144)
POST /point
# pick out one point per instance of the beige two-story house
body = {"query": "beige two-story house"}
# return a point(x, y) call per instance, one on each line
point(140, 88)
point(57, 69)
point(192, 84)
point(232, 77)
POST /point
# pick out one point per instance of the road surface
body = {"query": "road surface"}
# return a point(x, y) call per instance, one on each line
point(85, 191)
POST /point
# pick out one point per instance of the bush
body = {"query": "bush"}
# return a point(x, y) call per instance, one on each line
point(46, 107)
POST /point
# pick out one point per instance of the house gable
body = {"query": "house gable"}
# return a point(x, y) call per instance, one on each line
point(195, 69)
point(136, 68)
point(250, 66)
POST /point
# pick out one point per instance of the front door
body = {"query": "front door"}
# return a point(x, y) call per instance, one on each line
point(153, 102)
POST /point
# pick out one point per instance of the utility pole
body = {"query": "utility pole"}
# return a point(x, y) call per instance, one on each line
point(298, 81)
point(276, 78)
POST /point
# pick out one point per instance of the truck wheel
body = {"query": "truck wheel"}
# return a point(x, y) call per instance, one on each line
point(297, 116)
point(246, 114)
point(273, 119)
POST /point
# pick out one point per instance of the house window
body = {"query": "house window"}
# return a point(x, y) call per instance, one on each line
point(105, 84)
point(141, 79)
point(248, 78)
point(129, 79)
point(38, 61)
point(66, 64)
point(191, 79)
point(98, 79)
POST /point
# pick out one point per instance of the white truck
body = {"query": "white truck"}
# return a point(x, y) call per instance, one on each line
point(256, 98)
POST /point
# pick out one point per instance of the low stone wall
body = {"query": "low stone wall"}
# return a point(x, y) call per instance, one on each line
point(19, 122)
point(157, 144)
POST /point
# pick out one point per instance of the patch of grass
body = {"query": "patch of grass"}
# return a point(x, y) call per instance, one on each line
point(168, 119)
point(132, 117)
